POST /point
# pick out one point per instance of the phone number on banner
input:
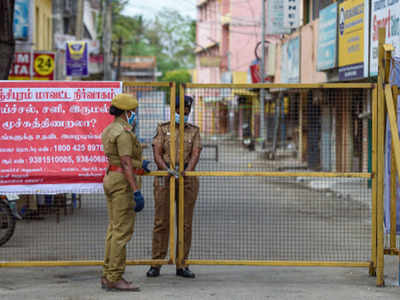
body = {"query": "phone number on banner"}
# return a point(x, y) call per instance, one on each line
point(67, 159)
point(51, 159)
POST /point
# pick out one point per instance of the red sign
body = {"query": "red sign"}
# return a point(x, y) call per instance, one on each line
point(50, 132)
point(21, 66)
point(43, 65)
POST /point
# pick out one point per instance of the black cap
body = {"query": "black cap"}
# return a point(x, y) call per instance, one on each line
point(188, 101)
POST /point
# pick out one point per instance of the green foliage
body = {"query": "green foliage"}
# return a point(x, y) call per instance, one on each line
point(178, 76)
point(170, 37)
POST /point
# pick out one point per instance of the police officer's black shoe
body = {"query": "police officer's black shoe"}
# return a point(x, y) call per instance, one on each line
point(185, 272)
point(153, 272)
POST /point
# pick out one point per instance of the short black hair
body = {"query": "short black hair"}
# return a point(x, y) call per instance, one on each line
point(187, 100)
point(115, 111)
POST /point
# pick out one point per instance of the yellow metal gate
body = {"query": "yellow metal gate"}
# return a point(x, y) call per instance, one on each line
point(295, 189)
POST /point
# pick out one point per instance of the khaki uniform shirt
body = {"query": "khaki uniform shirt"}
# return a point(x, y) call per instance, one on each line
point(191, 140)
point(119, 140)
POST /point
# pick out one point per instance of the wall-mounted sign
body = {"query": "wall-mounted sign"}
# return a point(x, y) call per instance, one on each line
point(327, 36)
point(21, 66)
point(43, 65)
point(275, 18)
point(353, 41)
point(210, 61)
point(290, 71)
point(76, 58)
point(384, 13)
point(291, 13)
point(21, 19)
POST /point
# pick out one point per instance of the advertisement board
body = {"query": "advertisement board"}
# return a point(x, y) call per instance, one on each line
point(353, 39)
point(290, 66)
point(50, 134)
point(44, 65)
point(21, 19)
point(275, 18)
point(291, 13)
point(384, 13)
point(77, 58)
point(327, 38)
point(21, 66)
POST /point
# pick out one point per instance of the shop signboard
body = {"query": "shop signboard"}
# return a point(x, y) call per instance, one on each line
point(290, 64)
point(77, 58)
point(21, 19)
point(327, 38)
point(21, 66)
point(353, 39)
point(275, 17)
point(384, 13)
point(44, 65)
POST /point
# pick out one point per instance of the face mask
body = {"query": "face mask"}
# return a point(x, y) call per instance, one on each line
point(131, 119)
point(178, 118)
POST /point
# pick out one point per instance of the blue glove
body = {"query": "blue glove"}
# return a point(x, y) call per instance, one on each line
point(145, 165)
point(138, 197)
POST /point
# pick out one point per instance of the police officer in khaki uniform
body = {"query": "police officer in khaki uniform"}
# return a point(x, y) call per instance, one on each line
point(122, 189)
point(162, 157)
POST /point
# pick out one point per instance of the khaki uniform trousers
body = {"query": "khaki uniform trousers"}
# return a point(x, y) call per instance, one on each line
point(161, 219)
point(121, 216)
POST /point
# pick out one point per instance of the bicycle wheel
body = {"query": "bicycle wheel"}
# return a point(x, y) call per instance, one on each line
point(7, 223)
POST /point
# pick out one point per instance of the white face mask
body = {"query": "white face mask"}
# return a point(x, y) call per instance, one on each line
point(131, 120)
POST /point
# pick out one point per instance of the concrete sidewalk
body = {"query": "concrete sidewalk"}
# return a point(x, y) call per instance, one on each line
point(212, 282)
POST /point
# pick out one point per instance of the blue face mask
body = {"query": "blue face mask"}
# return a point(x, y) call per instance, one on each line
point(131, 119)
point(178, 118)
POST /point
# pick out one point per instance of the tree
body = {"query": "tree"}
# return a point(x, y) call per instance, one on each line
point(174, 39)
point(179, 77)
point(7, 42)
point(170, 37)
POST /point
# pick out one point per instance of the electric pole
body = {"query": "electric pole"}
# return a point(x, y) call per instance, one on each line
point(107, 31)
point(120, 45)
point(58, 29)
point(262, 75)
point(79, 20)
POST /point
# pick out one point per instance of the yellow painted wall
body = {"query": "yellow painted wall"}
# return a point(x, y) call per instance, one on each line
point(43, 35)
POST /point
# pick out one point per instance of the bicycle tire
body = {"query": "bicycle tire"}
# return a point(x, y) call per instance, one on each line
point(6, 219)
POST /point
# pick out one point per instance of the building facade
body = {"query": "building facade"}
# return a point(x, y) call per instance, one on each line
point(328, 41)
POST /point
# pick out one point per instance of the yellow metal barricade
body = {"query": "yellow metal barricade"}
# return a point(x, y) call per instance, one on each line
point(223, 182)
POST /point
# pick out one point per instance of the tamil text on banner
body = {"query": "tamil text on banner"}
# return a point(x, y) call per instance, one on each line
point(353, 39)
point(76, 58)
point(50, 134)
point(384, 14)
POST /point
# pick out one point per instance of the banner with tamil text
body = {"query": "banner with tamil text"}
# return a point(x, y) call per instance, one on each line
point(50, 135)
